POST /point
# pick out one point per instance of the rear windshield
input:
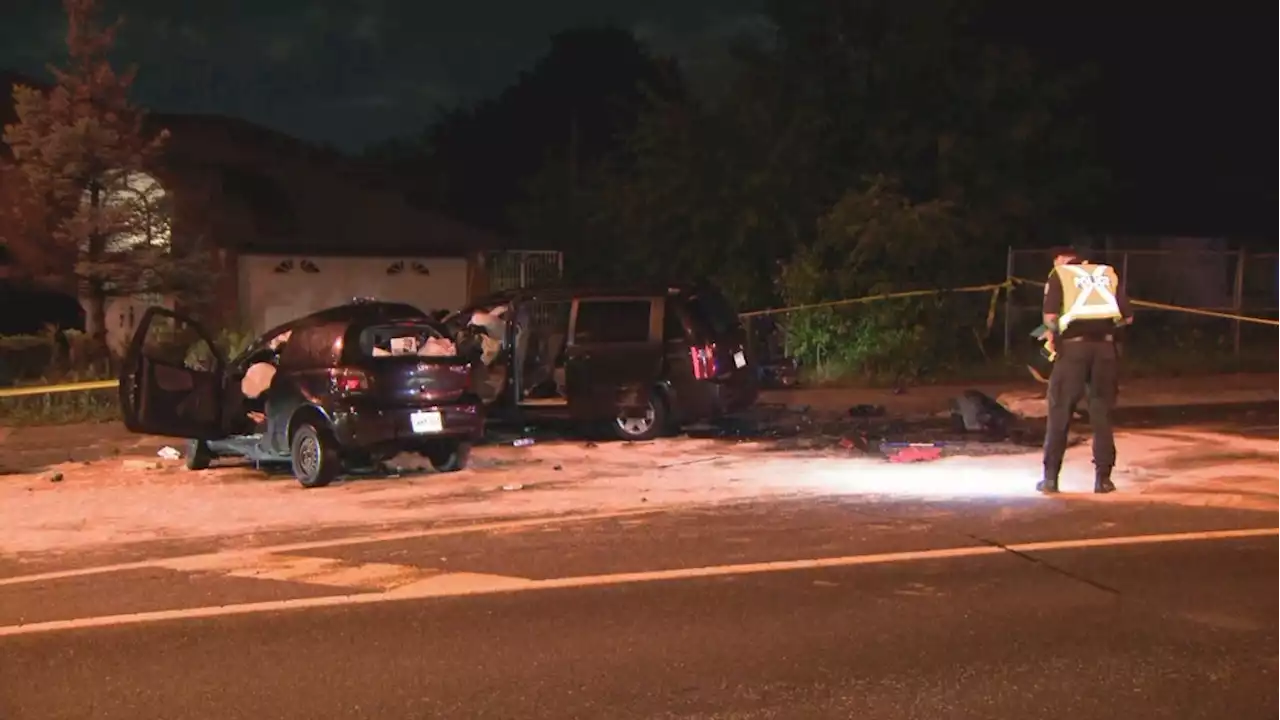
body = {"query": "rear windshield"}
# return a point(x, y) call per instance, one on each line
point(710, 309)
point(411, 338)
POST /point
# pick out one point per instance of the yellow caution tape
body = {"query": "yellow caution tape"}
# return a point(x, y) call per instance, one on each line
point(991, 308)
point(871, 298)
point(1179, 308)
point(60, 388)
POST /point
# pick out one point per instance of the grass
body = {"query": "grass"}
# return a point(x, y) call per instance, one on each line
point(60, 408)
point(1137, 362)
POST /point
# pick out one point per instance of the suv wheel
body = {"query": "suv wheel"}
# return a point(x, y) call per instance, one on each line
point(449, 456)
point(315, 457)
point(199, 456)
point(642, 426)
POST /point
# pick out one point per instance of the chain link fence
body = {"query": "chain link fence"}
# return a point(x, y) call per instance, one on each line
point(514, 269)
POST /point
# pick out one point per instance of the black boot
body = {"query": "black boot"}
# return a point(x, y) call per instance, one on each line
point(1102, 482)
point(1049, 484)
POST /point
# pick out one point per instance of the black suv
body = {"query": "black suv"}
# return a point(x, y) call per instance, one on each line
point(348, 387)
point(643, 361)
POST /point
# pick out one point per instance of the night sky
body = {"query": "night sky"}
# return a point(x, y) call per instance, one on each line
point(352, 72)
point(1186, 122)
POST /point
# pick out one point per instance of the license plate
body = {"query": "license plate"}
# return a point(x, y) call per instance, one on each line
point(740, 359)
point(427, 421)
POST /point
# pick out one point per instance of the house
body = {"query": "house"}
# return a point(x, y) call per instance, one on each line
point(293, 228)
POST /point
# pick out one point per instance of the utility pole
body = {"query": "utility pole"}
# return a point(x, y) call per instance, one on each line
point(573, 156)
point(571, 203)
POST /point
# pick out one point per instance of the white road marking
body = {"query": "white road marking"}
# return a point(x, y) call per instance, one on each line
point(216, 559)
point(464, 584)
point(306, 569)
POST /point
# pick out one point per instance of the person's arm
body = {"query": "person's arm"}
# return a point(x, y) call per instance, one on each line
point(1052, 302)
point(1126, 309)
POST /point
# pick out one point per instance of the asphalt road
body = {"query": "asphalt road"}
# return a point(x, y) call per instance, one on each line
point(1177, 629)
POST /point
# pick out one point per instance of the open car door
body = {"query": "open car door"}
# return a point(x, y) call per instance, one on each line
point(171, 381)
point(614, 356)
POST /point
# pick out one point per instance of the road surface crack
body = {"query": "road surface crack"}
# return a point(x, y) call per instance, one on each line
point(1045, 564)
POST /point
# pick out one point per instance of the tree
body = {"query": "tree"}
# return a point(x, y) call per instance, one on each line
point(722, 188)
point(23, 218)
point(85, 203)
point(877, 241)
point(571, 109)
point(929, 93)
point(915, 92)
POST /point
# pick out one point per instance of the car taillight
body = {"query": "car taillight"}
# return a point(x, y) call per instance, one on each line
point(346, 380)
point(704, 361)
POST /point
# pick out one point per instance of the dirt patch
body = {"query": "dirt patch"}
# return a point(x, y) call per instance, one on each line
point(1243, 480)
point(932, 399)
point(33, 449)
point(109, 504)
point(1197, 459)
point(115, 492)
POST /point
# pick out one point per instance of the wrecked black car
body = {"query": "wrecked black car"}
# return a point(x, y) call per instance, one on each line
point(641, 362)
point(337, 390)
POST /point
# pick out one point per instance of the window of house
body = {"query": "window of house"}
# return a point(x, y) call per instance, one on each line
point(612, 321)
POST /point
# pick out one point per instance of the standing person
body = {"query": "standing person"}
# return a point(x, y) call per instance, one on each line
point(1084, 307)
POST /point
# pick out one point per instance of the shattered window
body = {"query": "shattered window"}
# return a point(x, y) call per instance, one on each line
point(418, 339)
point(612, 321)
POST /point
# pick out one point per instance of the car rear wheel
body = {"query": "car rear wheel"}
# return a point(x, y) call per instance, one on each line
point(646, 425)
point(199, 456)
point(315, 458)
point(449, 456)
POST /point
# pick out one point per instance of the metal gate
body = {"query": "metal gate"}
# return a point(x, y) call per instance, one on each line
point(511, 269)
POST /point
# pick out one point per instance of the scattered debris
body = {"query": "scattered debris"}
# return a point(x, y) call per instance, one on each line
point(131, 464)
point(865, 410)
point(511, 487)
point(858, 441)
point(523, 442)
point(978, 412)
point(169, 453)
point(695, 461)
point(915, 452)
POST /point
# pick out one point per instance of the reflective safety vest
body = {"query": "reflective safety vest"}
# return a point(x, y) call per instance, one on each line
point(1088, 293)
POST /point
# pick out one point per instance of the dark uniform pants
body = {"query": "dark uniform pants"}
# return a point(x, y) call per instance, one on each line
point(1083, 367)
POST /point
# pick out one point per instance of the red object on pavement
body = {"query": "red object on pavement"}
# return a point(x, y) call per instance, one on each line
point(916, 454)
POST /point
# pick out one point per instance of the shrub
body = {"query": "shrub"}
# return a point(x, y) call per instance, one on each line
point(876, 241)
point(58, 358)
point(52, 358)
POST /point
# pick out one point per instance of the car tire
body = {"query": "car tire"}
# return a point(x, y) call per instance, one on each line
point(449, 456)
point(199, 456)
point(648, 427)
point(314, 455)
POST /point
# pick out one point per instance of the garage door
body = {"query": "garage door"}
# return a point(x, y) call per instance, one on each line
point(277, 289)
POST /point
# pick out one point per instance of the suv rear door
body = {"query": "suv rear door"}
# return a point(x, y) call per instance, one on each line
point(614, 355)
point(171, 380)
point(717, 335)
